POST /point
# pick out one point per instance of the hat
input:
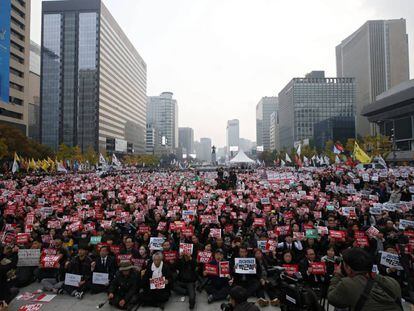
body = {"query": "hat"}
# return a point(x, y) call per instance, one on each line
point(125, 265)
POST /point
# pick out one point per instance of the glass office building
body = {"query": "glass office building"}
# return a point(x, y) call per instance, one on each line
point(93, 88)
point(310, 100)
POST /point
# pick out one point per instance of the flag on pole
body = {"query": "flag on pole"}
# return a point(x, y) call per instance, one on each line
point(288, 158)
point(338, 149)
point(337, 160)
point(305, 161)
point(102, 160)
point(360, 154)
point(282, 163)
point(15, 166)
point(299, 150)
point(326, 160)
point(115, 160)
point(61, 168)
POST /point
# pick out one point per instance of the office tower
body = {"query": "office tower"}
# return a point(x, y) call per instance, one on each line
point(162, 113)
point(274, 131)
point(232, 136)
point(93, 80)
point(14, 62)
point(186, 140)
point(33, 101)
point(205, 149)
point(151, 139)
point(265, 107)
point(246, 145)
point(376, 55)
point(306, 101)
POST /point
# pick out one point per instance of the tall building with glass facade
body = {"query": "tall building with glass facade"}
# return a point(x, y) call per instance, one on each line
point(14, 62)
point(93, 81)
point(306, 101)
point(265, 107)
point(205, 149)
point(376, 55)
point(186, 140)
point(162, 114)
point(33, 102)
point(232, 136)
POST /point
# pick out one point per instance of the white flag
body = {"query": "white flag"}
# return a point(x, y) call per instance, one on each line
point(305, 161)
point(299, 150)
point(15, 167)
point(61, 168)
point(102, 159)
point(337, 160)
point(288, 158)
point(282, 163)
point(327, 162)
point(115, 160)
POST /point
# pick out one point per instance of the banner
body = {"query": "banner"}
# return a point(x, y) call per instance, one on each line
point(33, 307)
point(245, 265)
point(28, 257)
point(50, 261)
point(157, 283)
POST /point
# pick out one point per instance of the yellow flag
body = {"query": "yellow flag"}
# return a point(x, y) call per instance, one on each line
point(16, 157)
point(360, 154)
point(32, 164)
point(44, 165)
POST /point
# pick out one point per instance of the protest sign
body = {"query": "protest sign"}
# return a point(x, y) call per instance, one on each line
point(215, 233)
point(72, 279)
point(100, 278)
point(245, 265)
point(95, 240)
point(32, 307)
point(291, 269)
point(311, 233)
point(156, 243)
point(224, 269)
point(318, 268)
point(157, 283)
point(210, 269)
point(204, 256)
point(404, 223)
point(50, 261)
point(28, 257)
point(391, 260)
point(186, 249)
point(170, 256)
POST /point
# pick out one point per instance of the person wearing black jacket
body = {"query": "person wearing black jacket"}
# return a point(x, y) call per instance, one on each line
point(186, 279)
point(250, 282)
point(155, 297)
point(80, 265)
point(124, 287)
point(217, 287)
point(8, 264)
point(103, 264)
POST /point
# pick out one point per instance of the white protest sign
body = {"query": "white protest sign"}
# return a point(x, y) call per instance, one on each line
point(404, 223)
point(28, 257)
point(156, 243)
point(100, 278)
point(390, 260)
point(245, 265)
point(72, 279)
point(157, 283)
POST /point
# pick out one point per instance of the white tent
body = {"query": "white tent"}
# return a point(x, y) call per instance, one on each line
point(241, 158)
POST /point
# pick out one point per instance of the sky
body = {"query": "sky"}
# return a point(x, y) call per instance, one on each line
point(219, 57)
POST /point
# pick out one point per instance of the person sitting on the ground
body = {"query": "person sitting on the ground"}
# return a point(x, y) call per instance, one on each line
point(156, 282)
point(186, 278)
point(124, 287)
point(103, 264)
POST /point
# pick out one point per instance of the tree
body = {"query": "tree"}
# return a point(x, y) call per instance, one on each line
point(64, 152)
point(91, 156)
point(329, 150)
point(3, 148)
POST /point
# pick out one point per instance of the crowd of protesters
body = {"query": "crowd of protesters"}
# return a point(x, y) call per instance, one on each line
point(148, 234)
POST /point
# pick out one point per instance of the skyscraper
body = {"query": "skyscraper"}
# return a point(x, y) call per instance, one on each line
point(376, 55)
point(306, 101)
point(274, 131)
point(14, 62)
point(33, 100)
point(265, 107)
point(232, 136)
point(205, 149)
point(186, 140)
point(162, 113)
point(93, 80)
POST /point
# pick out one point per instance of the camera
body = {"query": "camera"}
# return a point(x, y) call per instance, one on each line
point(226, 307)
